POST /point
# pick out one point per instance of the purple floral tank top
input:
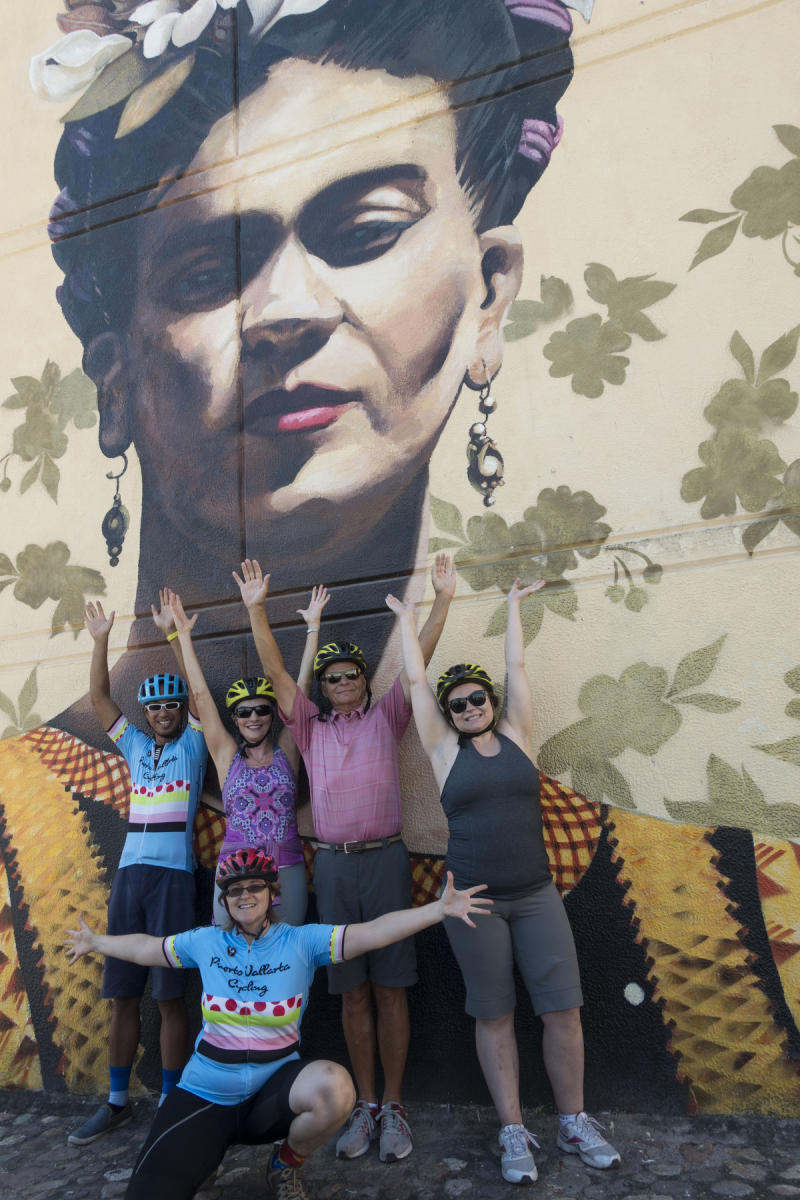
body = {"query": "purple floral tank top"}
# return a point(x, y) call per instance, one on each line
point(261, 809)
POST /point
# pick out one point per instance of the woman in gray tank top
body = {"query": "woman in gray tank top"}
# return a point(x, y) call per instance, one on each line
point(489, 787)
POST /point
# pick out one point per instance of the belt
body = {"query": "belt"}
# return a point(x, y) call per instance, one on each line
point(359, 847)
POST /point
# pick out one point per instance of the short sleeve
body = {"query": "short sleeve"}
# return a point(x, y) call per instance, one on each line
point(396, 709)
point(130, 741)
point(183, 949)
point(321, 945)
point(300, 724)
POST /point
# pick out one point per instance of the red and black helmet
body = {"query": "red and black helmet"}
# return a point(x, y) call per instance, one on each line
point(250, 863)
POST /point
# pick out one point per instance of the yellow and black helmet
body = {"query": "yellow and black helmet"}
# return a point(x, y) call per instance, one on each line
point(462, 673)
point(338, 652)
point(248, 688)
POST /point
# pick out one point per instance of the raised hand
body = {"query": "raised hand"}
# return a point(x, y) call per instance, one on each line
point(96, 621)
point(183, 624)
point(312, 615)
point(162, 616)
point(443, 575)
point(253, 584)
point(518, 592)
point(460, 904)
point(399, 607)
point(79, 941)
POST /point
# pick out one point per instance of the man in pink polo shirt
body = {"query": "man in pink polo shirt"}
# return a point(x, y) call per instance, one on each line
point(361, 869)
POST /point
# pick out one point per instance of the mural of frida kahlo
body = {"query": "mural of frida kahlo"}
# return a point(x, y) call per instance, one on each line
point(287, 238)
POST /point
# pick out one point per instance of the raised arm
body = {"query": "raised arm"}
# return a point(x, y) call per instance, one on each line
point(432, 727)
point(253, 585)
point(164, 622)
point(443, 578)
point(99, 626)
point(394, 926)
point(221, 744)
point(312, 615)
point(130, 947)
point(518, 712)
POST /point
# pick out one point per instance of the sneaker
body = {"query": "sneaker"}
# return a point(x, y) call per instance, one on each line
point(103, 1121)
point(285, 1183)
point(582, 1136)
point(359, 1131)
point(395, 1135)
point(516, 1160)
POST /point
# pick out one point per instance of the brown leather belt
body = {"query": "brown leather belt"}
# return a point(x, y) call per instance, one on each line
point(359, 847)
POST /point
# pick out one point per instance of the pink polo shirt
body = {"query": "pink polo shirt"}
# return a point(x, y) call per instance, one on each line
point(352, 766)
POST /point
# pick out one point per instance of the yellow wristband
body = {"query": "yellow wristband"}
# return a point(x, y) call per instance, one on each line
point(171, 636)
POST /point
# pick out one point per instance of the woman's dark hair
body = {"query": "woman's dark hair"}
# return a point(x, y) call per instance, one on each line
point(499, 69)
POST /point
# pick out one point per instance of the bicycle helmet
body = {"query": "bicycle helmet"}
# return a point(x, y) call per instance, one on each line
point(250, 863)
point(248, 688)
point(462, 673)
point(338, 652)
point(163, 687)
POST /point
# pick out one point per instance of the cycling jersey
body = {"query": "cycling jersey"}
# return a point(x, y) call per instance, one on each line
point(164, 794)
point(253, 999)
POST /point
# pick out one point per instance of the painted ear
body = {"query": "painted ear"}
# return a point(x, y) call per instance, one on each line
point(501, 262)
point(105, 362)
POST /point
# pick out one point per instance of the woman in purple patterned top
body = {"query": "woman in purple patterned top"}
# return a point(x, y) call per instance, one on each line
point(257, 771)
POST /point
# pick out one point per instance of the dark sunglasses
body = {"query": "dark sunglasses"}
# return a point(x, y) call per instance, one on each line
point(248, 710)
point(253, 888)
point(335, 676)
point(476, 699)
point(157, 705)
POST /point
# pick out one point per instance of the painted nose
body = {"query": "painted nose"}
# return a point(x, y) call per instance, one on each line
point(289, 298)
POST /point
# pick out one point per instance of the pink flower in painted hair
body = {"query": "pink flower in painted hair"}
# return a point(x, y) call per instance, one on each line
point(539, 139)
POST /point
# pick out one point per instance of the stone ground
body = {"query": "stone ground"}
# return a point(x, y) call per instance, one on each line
point(455, 1155)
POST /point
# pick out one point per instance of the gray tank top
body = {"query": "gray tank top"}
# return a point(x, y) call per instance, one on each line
point(495, 820)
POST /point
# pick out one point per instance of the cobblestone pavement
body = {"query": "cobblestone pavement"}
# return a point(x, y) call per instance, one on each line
point(455, 1155)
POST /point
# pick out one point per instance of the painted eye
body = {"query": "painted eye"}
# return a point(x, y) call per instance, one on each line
point(354, 243)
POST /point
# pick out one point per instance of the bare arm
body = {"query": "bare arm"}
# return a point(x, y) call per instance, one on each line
point(221, 744)
point(432, 727)
point(99, 626)
point(518, 712)
point(163, 621)
point(443, 577)
point(254, 586)
point(392, 927)
point(312, 615)
point(131, 947)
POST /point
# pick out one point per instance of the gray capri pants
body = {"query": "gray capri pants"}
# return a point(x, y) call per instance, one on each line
point(359, 887)
point(533, 932)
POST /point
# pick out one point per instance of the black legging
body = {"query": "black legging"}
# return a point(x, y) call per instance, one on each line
point(189, 1136)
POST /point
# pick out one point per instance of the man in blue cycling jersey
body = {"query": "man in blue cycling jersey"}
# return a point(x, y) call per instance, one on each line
point(154, 887)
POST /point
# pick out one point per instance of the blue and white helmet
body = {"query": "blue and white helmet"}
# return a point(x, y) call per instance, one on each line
point(163, 687)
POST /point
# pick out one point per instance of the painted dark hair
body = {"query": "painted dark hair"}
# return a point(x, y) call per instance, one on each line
point(502, 72)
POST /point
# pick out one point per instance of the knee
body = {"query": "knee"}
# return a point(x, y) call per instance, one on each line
point(125, 1007)
point(492, 1025)
point(356, 1001)
point(334, 1095)
point(567, 1022)
point(390, 999)
point(172, 1010)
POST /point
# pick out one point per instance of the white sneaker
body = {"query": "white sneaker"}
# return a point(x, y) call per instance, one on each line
point(582, 1136)
point(516, 1160)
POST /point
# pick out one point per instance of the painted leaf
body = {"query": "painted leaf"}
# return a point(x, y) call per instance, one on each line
point(563, 601)
point(532, 617)
point(9, 731)
point(50, 477)
point(792, 524)
point(779, 355)
point(616, 787)
point(705, 216)
point(793, 710)
point(716, 242)
point(76, 400)
point(499, 621)
point(789, 136)
point(7, 707)
point(756, 533)
point(556, 297)
point(151, 97)
point(743, 355)
point(29, 478)
point(6, 566)
point(787, 751)
point(640, 324)
point(709, 702)
point(447, 517)
point(439, 543)
point(792, 679)
point(696, 667)
point(113, 84)
point(524, 318)
point(27, 697)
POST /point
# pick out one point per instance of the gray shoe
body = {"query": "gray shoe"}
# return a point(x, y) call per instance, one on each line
point(103, 1121)
point(359, 1131)
point(582, 1136)
point(395, 1135)
point(284, 1183)
point(516, 1159)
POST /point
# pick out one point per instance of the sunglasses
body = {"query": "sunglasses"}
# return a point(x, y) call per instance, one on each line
point(476, 699)
point(157, 705)
point(249, 710)
point(335, 676)
point(254, 888)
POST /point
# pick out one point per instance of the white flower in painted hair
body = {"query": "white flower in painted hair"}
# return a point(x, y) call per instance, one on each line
point(170, 21)
point(73, 62)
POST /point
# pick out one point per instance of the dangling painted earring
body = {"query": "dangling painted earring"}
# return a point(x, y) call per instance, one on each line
point(484, 460)
point(117, 519)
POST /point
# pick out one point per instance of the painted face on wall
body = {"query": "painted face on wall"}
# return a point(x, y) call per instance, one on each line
point(309, 299)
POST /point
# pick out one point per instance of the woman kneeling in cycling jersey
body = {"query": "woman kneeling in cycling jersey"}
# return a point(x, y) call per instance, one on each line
point(245, 1081)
